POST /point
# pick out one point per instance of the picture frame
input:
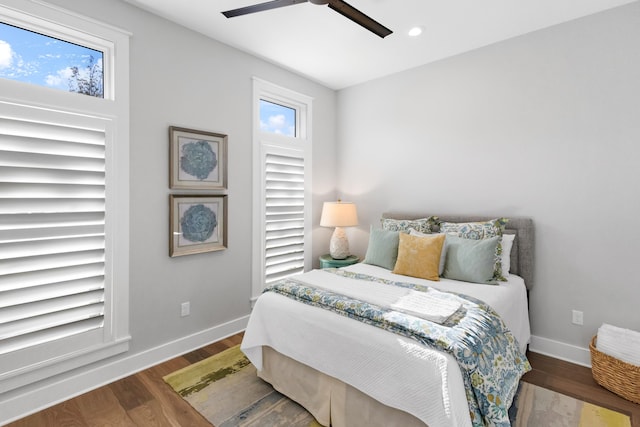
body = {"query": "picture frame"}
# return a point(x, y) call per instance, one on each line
point(197, 159)
point(198, 223)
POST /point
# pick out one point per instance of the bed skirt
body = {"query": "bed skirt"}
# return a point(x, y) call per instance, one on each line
point(329, 400)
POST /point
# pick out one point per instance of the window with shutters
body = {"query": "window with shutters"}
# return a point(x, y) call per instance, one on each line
point(63, 211)
point(282, 183)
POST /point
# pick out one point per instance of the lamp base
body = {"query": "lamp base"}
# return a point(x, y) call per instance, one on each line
point(339, 244)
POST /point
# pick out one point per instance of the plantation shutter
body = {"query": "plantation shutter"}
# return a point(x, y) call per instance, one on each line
point(284, 215)
point(52, 232)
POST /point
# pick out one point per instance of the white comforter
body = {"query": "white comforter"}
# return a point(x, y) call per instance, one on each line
point(397, 371)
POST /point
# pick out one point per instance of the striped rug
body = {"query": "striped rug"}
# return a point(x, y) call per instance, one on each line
point(227, 392)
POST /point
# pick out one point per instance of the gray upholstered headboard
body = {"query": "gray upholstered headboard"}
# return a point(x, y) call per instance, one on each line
point(523, 245)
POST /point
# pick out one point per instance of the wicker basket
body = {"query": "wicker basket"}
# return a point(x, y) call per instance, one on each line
point(615, 375)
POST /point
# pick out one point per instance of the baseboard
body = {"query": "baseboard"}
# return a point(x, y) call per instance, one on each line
point(560, 350)
point(27, 403)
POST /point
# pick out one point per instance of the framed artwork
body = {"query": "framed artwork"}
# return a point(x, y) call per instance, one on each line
point(198, 224)
point(197, 160)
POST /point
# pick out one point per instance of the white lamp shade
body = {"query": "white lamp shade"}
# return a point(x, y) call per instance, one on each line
point(339, 214)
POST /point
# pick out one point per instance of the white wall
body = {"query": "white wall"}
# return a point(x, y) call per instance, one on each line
point(546, 125)
point(181, 78)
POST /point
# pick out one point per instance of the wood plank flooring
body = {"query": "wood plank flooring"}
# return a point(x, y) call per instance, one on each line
point(145, 400)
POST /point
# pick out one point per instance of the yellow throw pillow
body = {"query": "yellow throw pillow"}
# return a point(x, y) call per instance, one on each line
point(419, 256)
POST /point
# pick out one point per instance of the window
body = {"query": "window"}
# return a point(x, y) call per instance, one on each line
point(278, 119)
point(42, 60)
point(63, 207)
point(282, 159)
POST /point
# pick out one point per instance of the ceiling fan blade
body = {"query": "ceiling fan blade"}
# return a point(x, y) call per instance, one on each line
point(359, 18)
point(260, 7)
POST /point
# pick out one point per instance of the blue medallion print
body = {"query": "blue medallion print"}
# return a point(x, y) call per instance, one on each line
point(198, 223)
point(198, 159)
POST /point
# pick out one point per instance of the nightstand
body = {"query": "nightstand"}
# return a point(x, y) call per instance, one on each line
point(327, 262)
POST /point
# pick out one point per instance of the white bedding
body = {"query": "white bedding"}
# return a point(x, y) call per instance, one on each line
point(397, 371)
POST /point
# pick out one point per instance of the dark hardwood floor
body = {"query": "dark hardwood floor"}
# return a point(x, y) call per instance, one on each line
point(145, 400)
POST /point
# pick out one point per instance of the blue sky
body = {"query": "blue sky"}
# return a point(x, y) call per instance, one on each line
point(275, 118)
point(33, 58)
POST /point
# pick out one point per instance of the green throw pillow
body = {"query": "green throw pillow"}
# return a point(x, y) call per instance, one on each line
point(471, 260)
point(480, 230)
point(383, 248)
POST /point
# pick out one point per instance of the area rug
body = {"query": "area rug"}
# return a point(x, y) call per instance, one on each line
point(226, 390)
point(536, 406)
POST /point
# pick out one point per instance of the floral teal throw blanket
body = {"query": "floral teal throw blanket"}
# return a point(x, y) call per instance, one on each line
point(486, 351)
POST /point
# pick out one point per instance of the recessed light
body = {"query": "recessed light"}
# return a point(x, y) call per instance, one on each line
point(415, 31)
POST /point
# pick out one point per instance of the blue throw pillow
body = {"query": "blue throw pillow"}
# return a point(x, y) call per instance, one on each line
point(383, 248)
point(471, 260)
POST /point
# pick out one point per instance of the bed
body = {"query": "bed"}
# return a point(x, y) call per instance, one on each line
point(349, 373)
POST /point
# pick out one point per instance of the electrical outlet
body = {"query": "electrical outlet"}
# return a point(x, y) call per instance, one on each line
point(577, 317)
point(185, 309)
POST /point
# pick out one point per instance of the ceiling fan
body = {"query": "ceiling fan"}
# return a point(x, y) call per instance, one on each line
point(338, 5)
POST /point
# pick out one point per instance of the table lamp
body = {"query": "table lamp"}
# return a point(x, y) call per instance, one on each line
point(339, 214)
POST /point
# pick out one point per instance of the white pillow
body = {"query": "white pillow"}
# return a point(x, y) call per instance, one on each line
point(505, 257)
point(414, 232)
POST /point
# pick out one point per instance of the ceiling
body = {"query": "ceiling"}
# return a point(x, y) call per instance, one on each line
point(326, 47)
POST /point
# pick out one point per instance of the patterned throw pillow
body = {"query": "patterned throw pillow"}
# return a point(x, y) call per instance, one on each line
point(477, 231)
point(423, 225)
